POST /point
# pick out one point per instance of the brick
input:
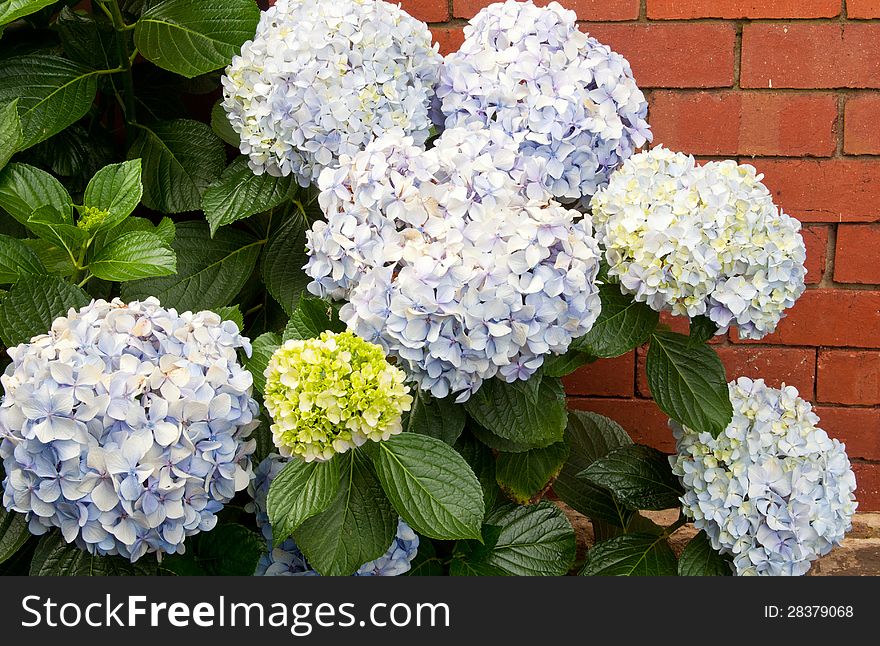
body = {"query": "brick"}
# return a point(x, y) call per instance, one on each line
point(426, 10)
point(605, 377)
point(673, 55)
point(862, 9)
point(792, 366)
point(449, 38)
point(861, 136)
point(677, 9)
point(848, 377)
point(827, 190)
point(868, 486)
point(810, 55)
point(645, 423)
point(855, 255)
point(745, 123)
point(829, 317)
point(858, 428)
point(680, 324)
point(585, 9)
point(816, 241)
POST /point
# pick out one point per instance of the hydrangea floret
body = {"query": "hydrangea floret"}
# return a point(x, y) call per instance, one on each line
point(126, 426)
point(701, 240)
point(773, 490)
point(455, 260)
point(530, 70)
point(330, 394)
point(321, 79)
point(288, 560)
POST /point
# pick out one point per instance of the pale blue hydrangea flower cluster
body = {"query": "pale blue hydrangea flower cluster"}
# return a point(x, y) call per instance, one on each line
point(287, 560)
point(530, 70)
point(701, 240)
point(321, 79)
point(773, 489)
point(126, 426)
point(456, 260)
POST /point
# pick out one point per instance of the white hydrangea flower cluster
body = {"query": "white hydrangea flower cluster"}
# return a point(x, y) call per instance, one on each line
point(456, 260)
point(530, 70)
point(321, 79)
point(126, 426)
point(773, 489)
point(288, 560)
point(701, 240)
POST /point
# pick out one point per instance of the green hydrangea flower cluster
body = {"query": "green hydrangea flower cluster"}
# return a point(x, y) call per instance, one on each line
point(330, 394)
point(91, 218)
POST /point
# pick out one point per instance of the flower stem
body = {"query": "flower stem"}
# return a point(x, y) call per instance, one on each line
point(126, 58)
point(681, 522)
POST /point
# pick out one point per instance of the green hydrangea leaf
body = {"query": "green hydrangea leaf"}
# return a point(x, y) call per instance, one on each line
point(699, 559)
point(11, 10)
point(210, 271)
point(311, 317)
point(231, 313)
point(536, 540)
point(263, 348)
point(638, 476)
point(426, 561)
point(229, 549)
point(525, 476)
point(591, 436)
point(134, 256)
point(356, 528)
point(238, 194)
point(10, 131)
point(283, 261)
point(52, 93)
point(89, 38)
point(529, 412)
point(431, 486)
point(55, 259)
point(688, 383)
point(439, 418)
point(33, 303)
point(221, 126)
point(300, 491)
point(702, 329)
point(54, 557)
point(25, 189)
point(631, 555)
point(115, 190)
point(13, 533)
point(47, 223)
point(482, 463)
point(17, 260)
point(165, 231)
point(623, 324)
point(180, 159)
point(193, 37)
point(562, 365)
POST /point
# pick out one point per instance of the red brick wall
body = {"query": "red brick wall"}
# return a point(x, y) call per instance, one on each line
point(789, 86)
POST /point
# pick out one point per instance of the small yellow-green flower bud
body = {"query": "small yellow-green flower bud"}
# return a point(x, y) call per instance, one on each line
point(91, 218)
point(330, 394)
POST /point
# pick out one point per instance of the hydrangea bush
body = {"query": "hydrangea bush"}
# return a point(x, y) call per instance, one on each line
point(366, 268)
